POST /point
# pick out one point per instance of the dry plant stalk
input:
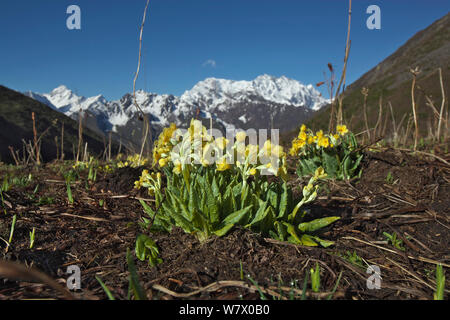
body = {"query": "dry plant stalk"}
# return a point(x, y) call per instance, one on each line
point(85, 155)
point(11, 149)
point(442, 105)
point(145, 117)
point(414, 72)
point(408, 128)
point(380, 113)
point(109, 147)
point(62, 141)
point(80, 134)
point(57, 147)
point(36, 147)
point(383, 131)
point(16, 271)
point(339, 94)
point(365, 93)
point(394, 127)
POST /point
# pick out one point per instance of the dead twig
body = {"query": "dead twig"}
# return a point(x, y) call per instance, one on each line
point(13, 270)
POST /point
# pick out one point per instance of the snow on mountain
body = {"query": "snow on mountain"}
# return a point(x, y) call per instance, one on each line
point(259, 103)
point(281, 90)
point(41, 98)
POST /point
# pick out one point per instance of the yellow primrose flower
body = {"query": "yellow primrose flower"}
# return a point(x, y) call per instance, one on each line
point(323, 142)
point(267, 147)
point(221, 143)
point(308, 189)
point(252, 171)
point(277, 151)
point(319, 173)
point(302, 135)
point(240, 136)
point(222, 165)
point(177, 168)
point(342, 129)
point(162, 162)
point(303, 128)
point(205, 162)
point(282, 172)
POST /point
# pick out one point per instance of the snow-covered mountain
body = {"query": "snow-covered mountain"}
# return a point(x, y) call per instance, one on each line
point(261, 103)
point(218, 92)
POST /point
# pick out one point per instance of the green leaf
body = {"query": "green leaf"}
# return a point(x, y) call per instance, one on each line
point(316, 224)
point(291, 230)
point(323, 243)
point(315, 278)
point(105, 288)
point(330, 162)
point(146, 248)
point(237, 216)
point(147, 208)
point(283, 202)
point(260, 214)
point(224, 230)
point(280, 230)
point(308, 240)
point(134, 285)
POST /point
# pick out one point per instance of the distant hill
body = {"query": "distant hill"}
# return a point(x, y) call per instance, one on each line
point(429, 49)
point(16, 124)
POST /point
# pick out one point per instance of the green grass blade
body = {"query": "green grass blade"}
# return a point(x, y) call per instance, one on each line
point(105, 288)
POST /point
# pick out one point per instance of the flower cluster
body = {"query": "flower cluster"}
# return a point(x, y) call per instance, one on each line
point(163, 146)
point(306, 137)
point(107, 168)
point(132, 161)
point(195, 146)
point(152, 181)
point(83, 165)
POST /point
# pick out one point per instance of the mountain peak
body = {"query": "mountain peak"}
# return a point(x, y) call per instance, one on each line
point(60, 89)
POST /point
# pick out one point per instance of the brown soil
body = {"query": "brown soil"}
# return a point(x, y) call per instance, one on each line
point(414, 203)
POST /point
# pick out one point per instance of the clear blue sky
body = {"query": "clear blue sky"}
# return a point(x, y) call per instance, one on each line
point(245, 38)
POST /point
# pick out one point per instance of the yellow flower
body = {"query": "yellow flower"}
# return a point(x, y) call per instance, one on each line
point(252, 171)
point(319, 173)
point(277, 151)
point(177, 168)
point(319, 134)
point(222, 165)
point(221, 143)
point(302, 135)
point(342, 129)
point(205, 162)
point(240, 136)
point(323, 142)
point(282, 172)
point(303, 128)
point(162, 162)
point(308, 189)
point(297, 144)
